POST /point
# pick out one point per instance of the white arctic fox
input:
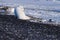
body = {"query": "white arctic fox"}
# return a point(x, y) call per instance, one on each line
point(19, 12)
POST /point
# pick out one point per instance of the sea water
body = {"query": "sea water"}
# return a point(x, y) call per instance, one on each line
point(38, 13)
point(45, 15)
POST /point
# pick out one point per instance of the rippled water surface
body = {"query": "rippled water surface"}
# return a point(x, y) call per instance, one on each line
point(44, 14)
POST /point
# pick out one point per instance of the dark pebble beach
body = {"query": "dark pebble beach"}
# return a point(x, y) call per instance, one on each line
point(12, 28)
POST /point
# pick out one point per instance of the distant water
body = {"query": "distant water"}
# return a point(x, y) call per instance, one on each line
point(44, 14)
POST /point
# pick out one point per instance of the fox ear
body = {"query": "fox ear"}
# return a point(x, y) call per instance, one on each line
point(20, 13)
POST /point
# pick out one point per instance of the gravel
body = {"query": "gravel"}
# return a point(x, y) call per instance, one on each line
point(12, 28)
